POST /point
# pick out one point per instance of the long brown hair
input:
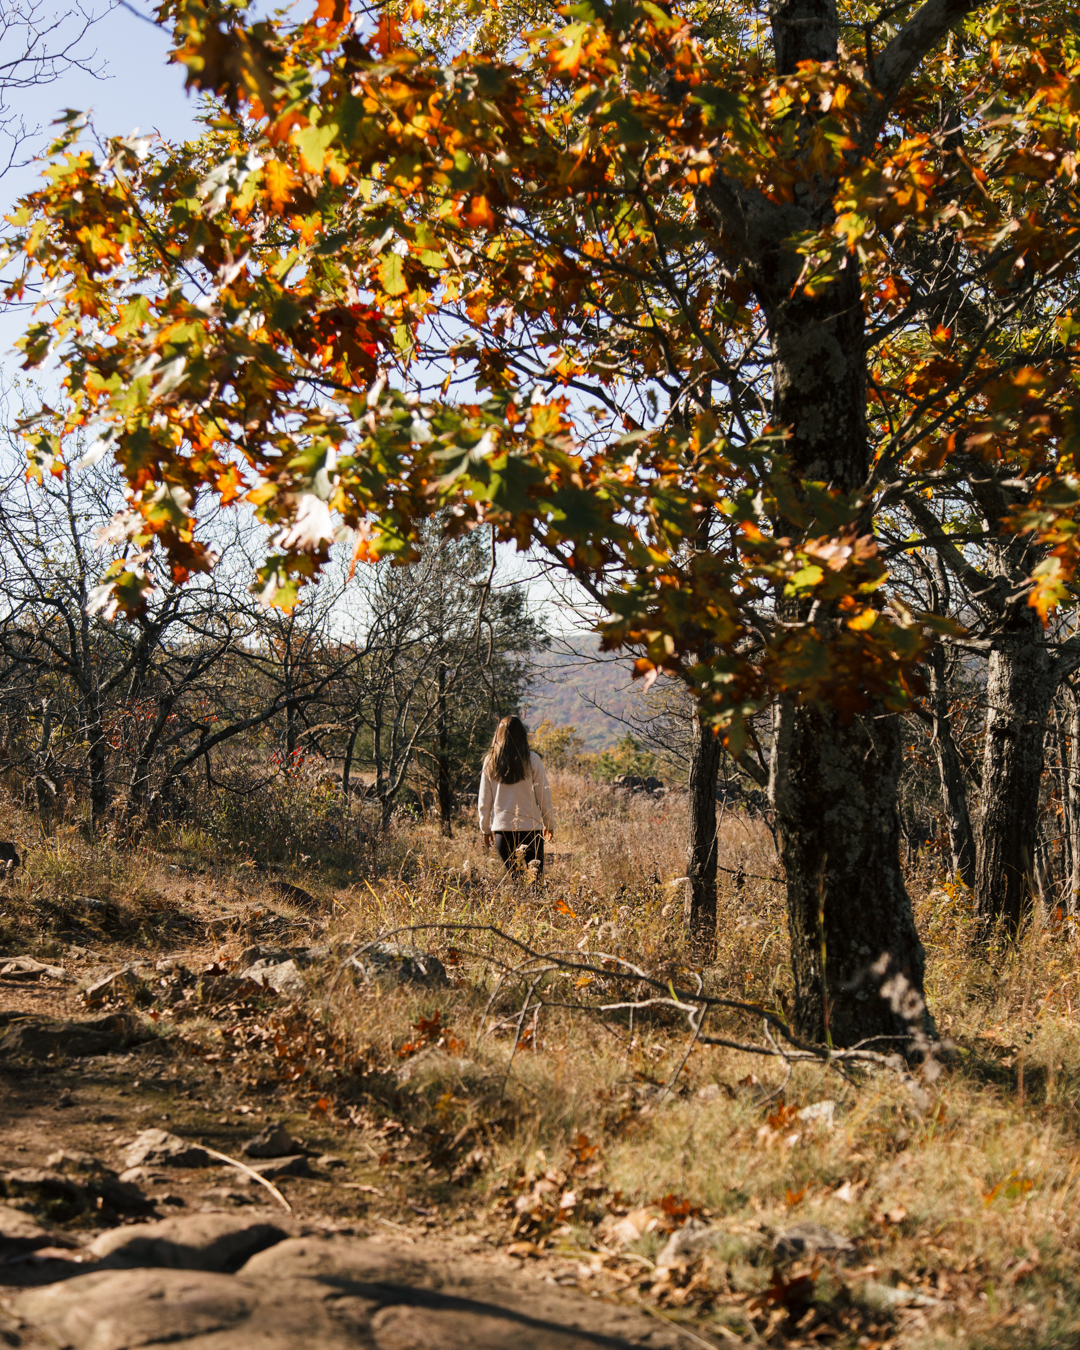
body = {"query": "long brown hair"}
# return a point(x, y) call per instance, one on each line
point(508, 759)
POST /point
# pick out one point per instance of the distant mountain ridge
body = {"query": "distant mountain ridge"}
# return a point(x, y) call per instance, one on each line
point(585, 688)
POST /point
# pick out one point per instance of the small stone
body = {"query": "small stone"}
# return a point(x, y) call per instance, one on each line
point(284, 978)
point(804, 1239)
point(268, 956)
point(273, 1142)
point(162, 1149)
point(687, 1243)
point(709, 1093)
point(820, 1113)
point(26, 968)
point(885, 1298)
point(121, 984)
point(298, 1166)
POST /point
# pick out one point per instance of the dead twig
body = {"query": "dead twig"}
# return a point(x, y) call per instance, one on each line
point(250, 1171)
point(657, 992)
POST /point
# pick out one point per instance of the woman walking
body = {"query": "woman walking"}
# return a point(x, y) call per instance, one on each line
point(515, 800)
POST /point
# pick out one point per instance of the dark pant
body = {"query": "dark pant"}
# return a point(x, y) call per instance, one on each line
point(509, 841)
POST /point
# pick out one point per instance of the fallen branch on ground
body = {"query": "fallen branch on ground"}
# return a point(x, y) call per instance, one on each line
point(532, 968)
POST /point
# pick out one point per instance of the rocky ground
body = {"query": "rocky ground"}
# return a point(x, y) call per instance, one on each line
point(155, 1190)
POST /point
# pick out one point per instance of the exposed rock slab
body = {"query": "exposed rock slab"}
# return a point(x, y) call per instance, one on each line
point(100, 1181)
point(336, 1294)
point(39, 1037)
point(220, 1242)
point(26, 968)
point(130, 1309)
point(20, 1232)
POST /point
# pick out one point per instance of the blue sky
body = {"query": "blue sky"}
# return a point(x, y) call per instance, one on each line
point(138, 89)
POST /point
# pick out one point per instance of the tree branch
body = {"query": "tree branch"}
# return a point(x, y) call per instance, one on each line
point(918, 37)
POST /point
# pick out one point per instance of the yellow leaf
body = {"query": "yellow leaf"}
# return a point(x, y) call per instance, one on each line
point(865, 619)
point(280, 180)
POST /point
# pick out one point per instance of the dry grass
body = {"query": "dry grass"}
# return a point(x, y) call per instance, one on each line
point(961, 1201)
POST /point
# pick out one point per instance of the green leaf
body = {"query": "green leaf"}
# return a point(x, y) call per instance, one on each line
point(135, 315)
point(392, 275)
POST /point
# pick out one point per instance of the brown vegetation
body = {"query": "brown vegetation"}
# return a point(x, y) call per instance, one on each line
point(597, 1147)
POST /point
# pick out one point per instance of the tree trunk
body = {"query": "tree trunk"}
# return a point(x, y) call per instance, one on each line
point(443, 758)
point(45, 784)
point(951, 774)
point(1072, 901)
point(701, 848)
point(1019, 690)
point(94, 733)
point(849, 914)
point(834, 775)
point(346, 768)
point(292, 737)
point(1061, 775)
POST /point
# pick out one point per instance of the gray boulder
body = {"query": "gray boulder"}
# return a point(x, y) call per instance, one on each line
point(400, 963)
point(273, 1142)
point(20, 1233)
point(192, 1242)
point(201, 1310)
point(283, 977)
point(40, 1037)
point(334, 1294)
point(159, 1148)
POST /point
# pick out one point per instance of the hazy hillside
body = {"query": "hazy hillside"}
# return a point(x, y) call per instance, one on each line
point(588, 690)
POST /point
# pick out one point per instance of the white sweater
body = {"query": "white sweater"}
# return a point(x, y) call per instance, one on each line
point(516, 806)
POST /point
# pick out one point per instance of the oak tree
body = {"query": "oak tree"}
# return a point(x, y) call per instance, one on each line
point(659, 289)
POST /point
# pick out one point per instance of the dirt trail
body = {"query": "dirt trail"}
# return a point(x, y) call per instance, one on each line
point(101, 1251)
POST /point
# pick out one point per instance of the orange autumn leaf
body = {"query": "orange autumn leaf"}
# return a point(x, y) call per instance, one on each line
point(337, 11)
point(280, 180)
point(387, 35)
point(480, 215)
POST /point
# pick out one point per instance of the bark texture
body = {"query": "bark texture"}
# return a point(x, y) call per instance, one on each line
point(1073, 803)
point(446, 796)
point(701, 848)
point(835, 800)
point(1020, 683)
point(951, 774)
point(836, 776)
